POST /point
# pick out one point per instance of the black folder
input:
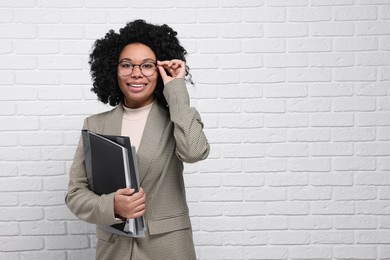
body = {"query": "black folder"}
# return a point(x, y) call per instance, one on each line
point(111, 164)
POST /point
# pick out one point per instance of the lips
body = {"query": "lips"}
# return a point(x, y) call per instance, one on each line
point(136, 87)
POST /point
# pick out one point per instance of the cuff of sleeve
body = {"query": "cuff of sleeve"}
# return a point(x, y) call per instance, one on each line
point(109, 217)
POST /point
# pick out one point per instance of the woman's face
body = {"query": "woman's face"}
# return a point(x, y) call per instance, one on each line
point(137, 88)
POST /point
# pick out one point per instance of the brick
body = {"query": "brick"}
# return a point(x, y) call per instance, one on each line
point(355, 13)
point(264, 165)
point(353, 134)
point(286, 179)
point(285, 30)
point(41, 169)
point(285, 61)
point(309, 165)
point(18, 63)
point(308, 45)
point(273, 135)
point(211, 252)
point(331, 89)
point(367, 119)
point(242, 61)
point(249, 120)
point(332, 120)
point(288, 120)
point(308, 75)
point(253, 238)
point(84, 16)
point(373, 207)
point(21, 214)
point(261, 252)
point(354, 193)
point(213, 46)
point(42, 228)
point(221, 194)
point(332, 208)
point(208, 239)
point(9, 229)
point(288, 208)
point(373, 28)
point(355, 44)
point(6, 47)
point(264, 106)
point(218, 15)
point(274, 75)
point(241, 179)
point(39, 16)
point(310, 252)
point(329, 149)
point(354, 222)
point(33, 255)
point(309, 14)
point(331, 29)
point(309, 105)
point(60, 3)
point(61, 63)
point(373, 237)
point(18, 31)
point(264, 15)
point(322, 60)
point(41, 198)
point(264, 45)
point(20, 243)
point(196, 180)
point(310, 223)
point(354, 164)
point(266, 223)
point(282, 3)
point(222, 224)
point(21, 184)
point(372, 149)
point(331, 2)
point(113, 4)
point(331, 179)
point(206, 209)
point(234, 30)
point(287, 150)
point(308, 135)
point(355, 252)
point(285, 90)
point(266, 194)
point(288, 238)
point(309, 193)
point(67, 242)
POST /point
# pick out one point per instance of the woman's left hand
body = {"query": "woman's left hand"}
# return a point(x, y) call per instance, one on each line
point(176, 69)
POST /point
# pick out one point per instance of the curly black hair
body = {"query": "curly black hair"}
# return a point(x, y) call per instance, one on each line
point(104, 57)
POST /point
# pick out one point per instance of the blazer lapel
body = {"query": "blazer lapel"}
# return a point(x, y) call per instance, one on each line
point(151, 138)
point(113, 123)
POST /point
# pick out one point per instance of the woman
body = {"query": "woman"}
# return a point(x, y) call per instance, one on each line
point(141, 71)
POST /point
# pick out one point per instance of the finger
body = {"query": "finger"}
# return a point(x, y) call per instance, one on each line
point(125, 191)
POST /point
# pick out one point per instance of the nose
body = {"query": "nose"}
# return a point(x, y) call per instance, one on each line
point(136, 72)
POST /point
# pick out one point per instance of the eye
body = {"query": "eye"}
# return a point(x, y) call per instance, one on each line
point(126, 65)
point(148, 65)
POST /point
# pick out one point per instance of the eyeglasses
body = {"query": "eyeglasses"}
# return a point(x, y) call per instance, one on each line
point(125, 68)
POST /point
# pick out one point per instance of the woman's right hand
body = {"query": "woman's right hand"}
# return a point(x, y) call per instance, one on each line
point(129, 204)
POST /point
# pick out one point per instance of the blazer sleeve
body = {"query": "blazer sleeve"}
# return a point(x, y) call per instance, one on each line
point(191, 142)
point(83, 203)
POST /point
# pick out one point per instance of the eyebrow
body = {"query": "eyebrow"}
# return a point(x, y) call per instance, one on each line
point(144, 60)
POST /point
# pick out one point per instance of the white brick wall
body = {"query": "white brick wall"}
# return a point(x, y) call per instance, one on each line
point(295, 96)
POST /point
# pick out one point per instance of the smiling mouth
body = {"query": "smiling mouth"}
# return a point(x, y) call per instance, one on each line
point(136, 85)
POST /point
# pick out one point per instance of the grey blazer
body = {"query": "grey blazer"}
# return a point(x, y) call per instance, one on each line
point(169, 139)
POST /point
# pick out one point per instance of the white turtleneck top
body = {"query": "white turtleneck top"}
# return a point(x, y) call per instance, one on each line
point(133, 123)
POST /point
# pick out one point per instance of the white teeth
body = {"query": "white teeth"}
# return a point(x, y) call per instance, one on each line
point(136, 85)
